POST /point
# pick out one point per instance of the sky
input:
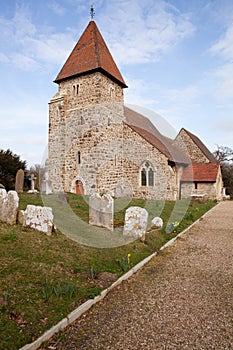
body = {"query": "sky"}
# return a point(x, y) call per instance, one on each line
point(176, 57)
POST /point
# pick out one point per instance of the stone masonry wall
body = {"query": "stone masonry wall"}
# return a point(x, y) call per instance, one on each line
point(188, 188)
point(184, 141)
point(80, 105)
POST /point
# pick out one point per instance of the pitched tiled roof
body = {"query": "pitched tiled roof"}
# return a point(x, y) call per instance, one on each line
point(145, 128)
point(201, 172)
point(90, 54)
point(201, 146)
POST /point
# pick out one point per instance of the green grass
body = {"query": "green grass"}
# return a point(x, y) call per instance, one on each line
point(44, 278)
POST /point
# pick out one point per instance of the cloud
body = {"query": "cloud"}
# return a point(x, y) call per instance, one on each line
point(223, 74)
point(28, 47)
point(144, 31)
point(224, 46)
point(57, 8)
point(24, 62)
point(3, 58)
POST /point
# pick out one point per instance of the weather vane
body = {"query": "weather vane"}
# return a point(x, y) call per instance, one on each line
point(92, 12)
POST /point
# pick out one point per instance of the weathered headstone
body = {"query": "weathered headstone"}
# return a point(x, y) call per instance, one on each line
point(46, 184)
point(39, 218)
point(9, 203)
point(101, 210)
point(135, 222)
point(3, 196)
point(19, 181)
point(156, 223)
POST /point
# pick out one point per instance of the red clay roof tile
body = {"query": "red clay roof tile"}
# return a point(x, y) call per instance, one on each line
point(199, 172)
point(90, 54)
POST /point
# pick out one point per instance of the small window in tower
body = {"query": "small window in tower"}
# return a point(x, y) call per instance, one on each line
point(79, 157)
point(195, 183)
point(112, 91)
point(76, 89)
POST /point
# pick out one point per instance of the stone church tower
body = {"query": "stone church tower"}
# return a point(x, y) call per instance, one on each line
point(86, 119)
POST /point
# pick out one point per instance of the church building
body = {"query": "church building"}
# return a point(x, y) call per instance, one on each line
point(97, 144)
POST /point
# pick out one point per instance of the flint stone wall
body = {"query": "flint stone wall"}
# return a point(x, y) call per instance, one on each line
point(135, 222)
point(38, 218)
point(9, 203)
point(184, 142)
point(101, 211)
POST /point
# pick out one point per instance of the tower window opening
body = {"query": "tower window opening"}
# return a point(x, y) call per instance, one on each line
point(79, 157)
point(76, 89)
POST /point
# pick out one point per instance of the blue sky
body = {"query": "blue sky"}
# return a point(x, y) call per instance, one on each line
point(176, 56)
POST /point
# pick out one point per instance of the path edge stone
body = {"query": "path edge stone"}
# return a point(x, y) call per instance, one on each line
point(81, 309)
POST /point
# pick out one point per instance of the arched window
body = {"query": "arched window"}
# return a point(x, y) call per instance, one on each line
point(147, 174)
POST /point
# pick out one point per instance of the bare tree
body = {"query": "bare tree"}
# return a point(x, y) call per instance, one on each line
point(225, 156)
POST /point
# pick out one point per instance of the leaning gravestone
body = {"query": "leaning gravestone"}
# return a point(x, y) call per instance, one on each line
point(135, 222)
point(9, 203)
point(19, 181)
point(37, 217)
point(101, 210)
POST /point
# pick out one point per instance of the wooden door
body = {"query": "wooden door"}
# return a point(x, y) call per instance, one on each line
point(79, 187)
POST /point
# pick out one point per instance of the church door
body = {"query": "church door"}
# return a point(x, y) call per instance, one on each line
point(79, 187)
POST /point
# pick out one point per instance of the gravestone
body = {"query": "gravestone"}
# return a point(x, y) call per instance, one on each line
point(156, 223)
point(19, 181)
point(33, 180)
point(3, 196)
point(46, 184)
point(9, 203)
point(37, 217)
point(135, 222)
point(101, 210)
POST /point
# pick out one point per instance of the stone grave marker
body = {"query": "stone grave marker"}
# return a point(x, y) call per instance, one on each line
point(135, 222)
point(19, 181)
point(37, 217)
point(9, 203)
point(101, 210)
point(156, 223)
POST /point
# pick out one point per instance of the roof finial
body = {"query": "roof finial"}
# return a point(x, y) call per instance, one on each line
point(92, 12)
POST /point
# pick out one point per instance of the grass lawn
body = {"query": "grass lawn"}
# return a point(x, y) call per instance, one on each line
point(44, 278)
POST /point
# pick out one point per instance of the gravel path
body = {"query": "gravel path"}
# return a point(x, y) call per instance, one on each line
point(182, 299)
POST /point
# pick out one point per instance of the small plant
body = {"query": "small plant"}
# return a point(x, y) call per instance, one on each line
point(57, 290)
point(70, 290)
point(173, 227)
point(125, 263)
point(47, 291)
point(189, 215)
point(93, 292)
point(93, 272)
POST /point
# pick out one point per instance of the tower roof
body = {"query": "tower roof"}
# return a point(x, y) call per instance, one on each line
point(90, 54)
